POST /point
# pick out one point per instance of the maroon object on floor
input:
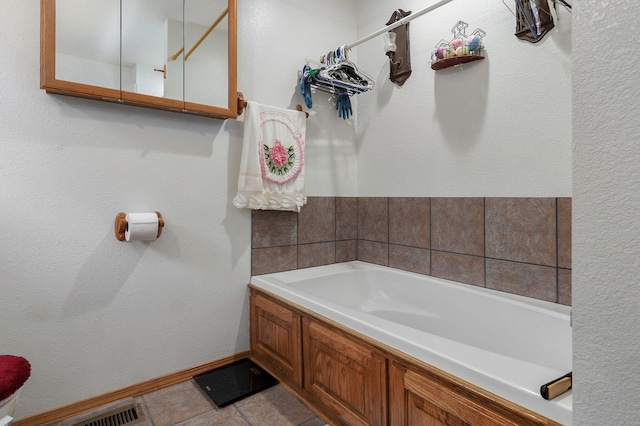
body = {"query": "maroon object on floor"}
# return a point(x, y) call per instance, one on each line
point(14, 371)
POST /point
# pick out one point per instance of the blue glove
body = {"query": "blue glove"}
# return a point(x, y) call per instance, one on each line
point(305, 86)
point(343, 105)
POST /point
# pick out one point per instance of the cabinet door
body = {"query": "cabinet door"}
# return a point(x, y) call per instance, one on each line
point(276, 338)
point(414, 399)
point(344, 374)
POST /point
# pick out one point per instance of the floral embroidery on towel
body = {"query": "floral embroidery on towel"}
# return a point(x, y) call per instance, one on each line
point(279, 159)
point(283, 160)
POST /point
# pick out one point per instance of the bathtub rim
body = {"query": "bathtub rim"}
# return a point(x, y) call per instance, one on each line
point(559, 409)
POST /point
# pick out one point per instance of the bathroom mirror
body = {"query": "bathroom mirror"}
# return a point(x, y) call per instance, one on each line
point(178, 55)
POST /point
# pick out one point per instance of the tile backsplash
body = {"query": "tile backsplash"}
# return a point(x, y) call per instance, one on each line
point(517, 245)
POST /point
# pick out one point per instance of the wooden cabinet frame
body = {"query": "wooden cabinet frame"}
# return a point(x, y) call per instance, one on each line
point(49, 82)
point(350, 379)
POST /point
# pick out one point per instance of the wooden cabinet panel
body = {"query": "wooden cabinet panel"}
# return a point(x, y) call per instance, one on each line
point(358, 383)
point(344, 374)
point(420, 398)
point(421, 412)
point(276, 337)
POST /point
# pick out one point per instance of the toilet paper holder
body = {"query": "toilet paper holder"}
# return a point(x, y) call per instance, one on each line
point(120, 225)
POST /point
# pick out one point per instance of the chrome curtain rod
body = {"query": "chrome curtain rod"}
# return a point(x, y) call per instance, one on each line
point(398, 23)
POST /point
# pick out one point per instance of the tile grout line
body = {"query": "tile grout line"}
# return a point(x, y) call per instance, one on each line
point(431, 236)
point(297, 240)
point(557, 252)
point(335, 229)
point(145, 410)
point(242, 414)
point(357, 228)
point(388, 231)
point(484, 237)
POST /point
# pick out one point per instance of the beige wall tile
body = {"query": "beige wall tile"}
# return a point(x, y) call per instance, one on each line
point(274, 259)
point(564, 286)
point(521, 229)
point(515, 235)
point(409, 221)
point(373, 219)
point(346, 218)
point(346, 250)
point(457, 225)
point(458, 267)
point(273, 228)
point(413, 259)
point(564, 233)
point(317, 220)
point(373, 252)
point(539, 282)
point(316, 254)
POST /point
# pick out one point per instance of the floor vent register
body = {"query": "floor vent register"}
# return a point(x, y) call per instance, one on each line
point(120, 415)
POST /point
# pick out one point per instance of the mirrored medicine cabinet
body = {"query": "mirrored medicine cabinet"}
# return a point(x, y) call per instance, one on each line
point(178, 55)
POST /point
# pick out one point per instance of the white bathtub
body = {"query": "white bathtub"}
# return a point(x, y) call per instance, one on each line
point(507, 344)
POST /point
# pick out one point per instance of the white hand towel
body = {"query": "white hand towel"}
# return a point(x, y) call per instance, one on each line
point(272, 163)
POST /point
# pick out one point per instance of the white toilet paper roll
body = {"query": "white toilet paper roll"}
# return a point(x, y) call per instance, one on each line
point(141, 227)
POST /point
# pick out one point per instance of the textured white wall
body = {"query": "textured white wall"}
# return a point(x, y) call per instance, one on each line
point(93, 314)
point(606, 218)
point(278, 38)
point(497, 127)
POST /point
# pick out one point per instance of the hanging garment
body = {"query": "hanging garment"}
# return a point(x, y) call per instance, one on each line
point(534, 18)
point(400, 61)
point(272, 164)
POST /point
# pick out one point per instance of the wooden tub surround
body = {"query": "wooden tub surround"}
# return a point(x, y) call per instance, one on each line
point(351, 379)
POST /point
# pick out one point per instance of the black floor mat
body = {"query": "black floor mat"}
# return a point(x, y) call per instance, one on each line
point(234, 382)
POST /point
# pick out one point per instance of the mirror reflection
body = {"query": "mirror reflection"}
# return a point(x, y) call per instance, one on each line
point(206, 44)
point(151, 31)
point(172, 49)
point(88, 42)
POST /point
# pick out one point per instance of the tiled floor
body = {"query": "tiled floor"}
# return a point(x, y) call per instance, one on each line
point(185, 404)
